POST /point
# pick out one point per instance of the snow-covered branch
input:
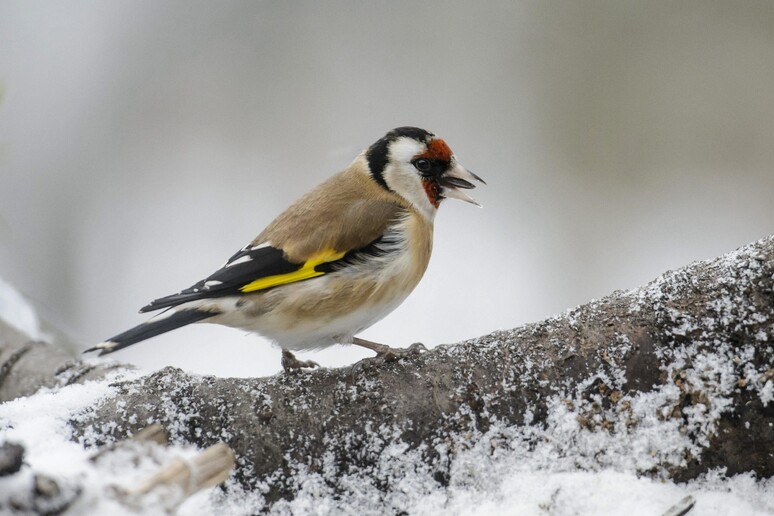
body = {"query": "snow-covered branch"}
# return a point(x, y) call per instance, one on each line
point(673, 380)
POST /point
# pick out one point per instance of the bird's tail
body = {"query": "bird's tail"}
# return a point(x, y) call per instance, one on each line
point(162, 323)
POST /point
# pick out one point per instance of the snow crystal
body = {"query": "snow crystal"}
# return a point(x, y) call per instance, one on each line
point(767, 393)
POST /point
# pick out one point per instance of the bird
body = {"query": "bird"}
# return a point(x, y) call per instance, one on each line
point(335, 262)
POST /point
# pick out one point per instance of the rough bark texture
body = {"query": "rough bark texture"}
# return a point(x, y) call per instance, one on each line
point(692, 350)
point(27, 365)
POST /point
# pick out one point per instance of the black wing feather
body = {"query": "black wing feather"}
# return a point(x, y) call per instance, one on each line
point(245, 266)
point(253, 263)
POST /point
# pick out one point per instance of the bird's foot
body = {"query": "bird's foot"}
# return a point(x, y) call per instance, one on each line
point(388, 354)
point(384, 354)
point(291, 363)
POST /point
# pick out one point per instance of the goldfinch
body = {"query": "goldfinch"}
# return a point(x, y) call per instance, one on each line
point(335, 262)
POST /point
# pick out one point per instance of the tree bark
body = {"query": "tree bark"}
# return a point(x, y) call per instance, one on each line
point(27, 365)
point(686, 360)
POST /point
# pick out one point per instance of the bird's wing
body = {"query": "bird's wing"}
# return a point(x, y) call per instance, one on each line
point(297, 248)
point(251, 269)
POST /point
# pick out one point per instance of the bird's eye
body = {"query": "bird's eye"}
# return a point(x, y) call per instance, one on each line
point(423, 165)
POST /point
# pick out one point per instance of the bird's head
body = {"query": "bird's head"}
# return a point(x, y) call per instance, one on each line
point(418, 166)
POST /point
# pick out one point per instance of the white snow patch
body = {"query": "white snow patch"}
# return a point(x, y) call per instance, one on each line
point(767, 393)
point(41, 424)
point(519, 471)
point(16, 311)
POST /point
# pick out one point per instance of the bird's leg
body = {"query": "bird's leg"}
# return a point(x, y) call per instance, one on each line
point(290, 362)
point(384, 353)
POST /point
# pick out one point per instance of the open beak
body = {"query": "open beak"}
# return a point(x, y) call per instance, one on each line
point(455, 180)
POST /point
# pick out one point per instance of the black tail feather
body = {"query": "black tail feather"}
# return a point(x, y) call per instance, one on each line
point(151, 328)
point(172, 300)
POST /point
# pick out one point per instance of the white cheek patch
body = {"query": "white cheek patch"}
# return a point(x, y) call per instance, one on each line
point(402, 178)
point(406, 182)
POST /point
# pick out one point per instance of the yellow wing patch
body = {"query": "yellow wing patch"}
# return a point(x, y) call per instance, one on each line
point(305, 272)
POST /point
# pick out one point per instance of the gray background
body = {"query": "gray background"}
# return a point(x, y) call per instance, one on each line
point(141, 143)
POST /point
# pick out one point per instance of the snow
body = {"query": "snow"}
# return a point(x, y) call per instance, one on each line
point(41, 423)
point(568, 466)
point(515, 480)
point(504, 473)
point(16, 311)
point(522, 485)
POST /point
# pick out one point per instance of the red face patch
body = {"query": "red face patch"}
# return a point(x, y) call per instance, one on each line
point(437, 149)
point(433, 191)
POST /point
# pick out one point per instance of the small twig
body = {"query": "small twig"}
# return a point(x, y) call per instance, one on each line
point(682, 507)
point(154, 433)
point(183, 477)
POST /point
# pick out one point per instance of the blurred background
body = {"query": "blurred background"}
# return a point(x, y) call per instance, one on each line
point(143, 142)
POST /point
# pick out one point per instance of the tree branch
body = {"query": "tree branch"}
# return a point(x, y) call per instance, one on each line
point(681, 368)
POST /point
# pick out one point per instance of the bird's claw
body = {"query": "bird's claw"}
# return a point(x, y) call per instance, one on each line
point(385, 355)
point(291, 363)
point(393, 354)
